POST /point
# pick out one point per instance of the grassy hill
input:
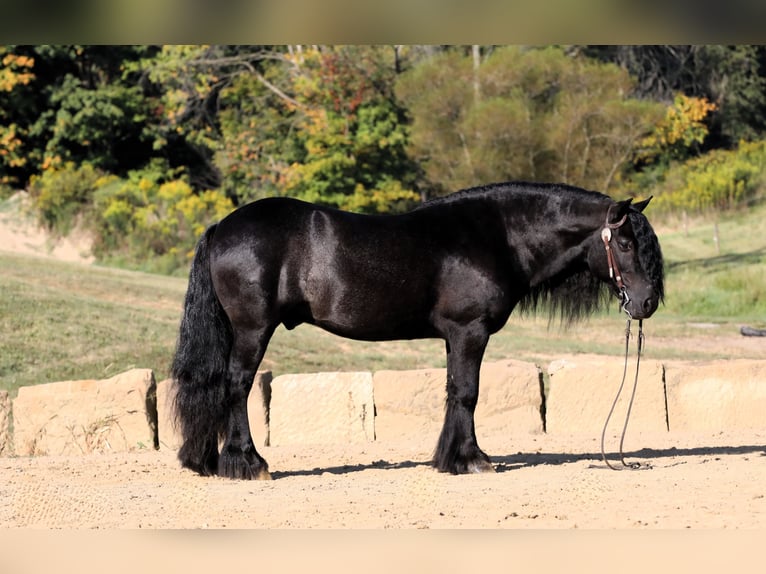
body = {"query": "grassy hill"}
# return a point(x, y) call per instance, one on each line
point(62, 321)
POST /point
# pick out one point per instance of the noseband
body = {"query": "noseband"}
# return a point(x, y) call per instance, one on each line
point(614, 270)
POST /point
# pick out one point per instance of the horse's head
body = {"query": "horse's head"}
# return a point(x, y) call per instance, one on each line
point(629, 258)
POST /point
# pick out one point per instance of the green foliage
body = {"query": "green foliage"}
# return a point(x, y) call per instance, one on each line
point(99, 130)
point(15, 72)
point(97, 126)
point(151, 223)
point(6, 191)
point(730, 76)
point(535, 114)
point(61, 194)
point(258, 142)
point(735, 81)
point(338, 139)
point(74, 105)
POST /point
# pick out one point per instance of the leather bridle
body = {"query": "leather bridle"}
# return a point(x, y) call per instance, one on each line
point(616, 276)
point(614, 269)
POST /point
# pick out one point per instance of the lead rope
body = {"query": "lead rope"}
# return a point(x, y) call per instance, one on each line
point(633, 465)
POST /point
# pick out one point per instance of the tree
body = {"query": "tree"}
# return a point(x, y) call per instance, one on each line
point(317, 123)
point(74, 104)
point(540, 115)
point(351, 132)
point(731, 77)
point(681, 132)
point(15, 71)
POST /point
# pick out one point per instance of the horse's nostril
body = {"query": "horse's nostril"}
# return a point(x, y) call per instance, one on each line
point(648, 305)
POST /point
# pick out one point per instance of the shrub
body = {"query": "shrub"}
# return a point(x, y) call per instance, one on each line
point(61, 194)
point(717, 181)
point(153, 224)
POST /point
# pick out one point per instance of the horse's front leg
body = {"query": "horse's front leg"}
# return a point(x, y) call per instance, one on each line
point(457, 451)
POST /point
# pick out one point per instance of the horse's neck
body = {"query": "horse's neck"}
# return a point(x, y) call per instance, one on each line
point(558, 243)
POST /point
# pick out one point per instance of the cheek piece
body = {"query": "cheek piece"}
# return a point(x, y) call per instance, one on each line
point(614, 270)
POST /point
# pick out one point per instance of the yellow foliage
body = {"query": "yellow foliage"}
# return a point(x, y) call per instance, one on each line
point(9, 145)
point(682, 127)
point(15, 70)
point(380, 200)
point(155, 225)
point(718, 180)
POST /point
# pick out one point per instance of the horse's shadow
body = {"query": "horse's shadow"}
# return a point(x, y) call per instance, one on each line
point(350, 468)
point(525, 460)
point(751, 257)
point(507, 463)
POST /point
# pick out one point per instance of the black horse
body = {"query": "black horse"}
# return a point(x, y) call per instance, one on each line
point(454, 269)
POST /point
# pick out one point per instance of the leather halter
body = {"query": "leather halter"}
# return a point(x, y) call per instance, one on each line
point(614, 270)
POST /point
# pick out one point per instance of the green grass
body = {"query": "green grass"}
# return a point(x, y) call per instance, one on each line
point(707, 285)
point(62, 321)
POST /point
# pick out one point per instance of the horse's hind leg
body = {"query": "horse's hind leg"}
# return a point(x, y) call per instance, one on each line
point(457, 451)
point(239, 457)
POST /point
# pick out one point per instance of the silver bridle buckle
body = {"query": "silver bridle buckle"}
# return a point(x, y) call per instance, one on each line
point(625, 298)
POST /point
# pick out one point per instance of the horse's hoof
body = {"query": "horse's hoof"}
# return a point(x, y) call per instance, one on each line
point(481, 467)
point(263, 474)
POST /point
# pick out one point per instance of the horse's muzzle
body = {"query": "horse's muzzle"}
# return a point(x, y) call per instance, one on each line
point(638, 307)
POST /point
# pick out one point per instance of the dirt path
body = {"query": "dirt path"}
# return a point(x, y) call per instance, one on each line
point(543, 482)
point(20, 234)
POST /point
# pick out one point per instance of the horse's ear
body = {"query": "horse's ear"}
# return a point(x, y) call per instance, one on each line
point(618, 210)
point(641, 205)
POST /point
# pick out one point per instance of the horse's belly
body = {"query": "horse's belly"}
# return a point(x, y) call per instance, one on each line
point(364, 311)
point(377, 331)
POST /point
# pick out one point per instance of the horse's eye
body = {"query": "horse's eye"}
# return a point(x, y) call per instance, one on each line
point(625, 245)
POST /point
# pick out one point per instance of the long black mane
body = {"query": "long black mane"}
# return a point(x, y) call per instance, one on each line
point(570, 299)
point(649, 252)
point(497, 191)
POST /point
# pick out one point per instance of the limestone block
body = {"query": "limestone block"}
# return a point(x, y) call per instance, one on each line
point(80, 417)
point(582, 391)
point(5, 424)
point(322, 408)
point(510, 398)
point(258, 405)
point(169, 436)
point(716, 395)
point(411, 403)
point(257, 412)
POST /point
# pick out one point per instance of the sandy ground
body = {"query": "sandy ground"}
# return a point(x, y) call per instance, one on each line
point(693, 481)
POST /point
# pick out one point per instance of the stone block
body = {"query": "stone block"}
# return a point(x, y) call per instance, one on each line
point(257, 412)
point(258, 405)
point(510, 398)
point(167, 433)
point(716, 395)
point(5, 424)
point(411, 403)
point(322, 408)
point(582, 391)
point(87, 416)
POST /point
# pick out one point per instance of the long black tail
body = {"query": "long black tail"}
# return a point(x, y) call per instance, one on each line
point(200, 366)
